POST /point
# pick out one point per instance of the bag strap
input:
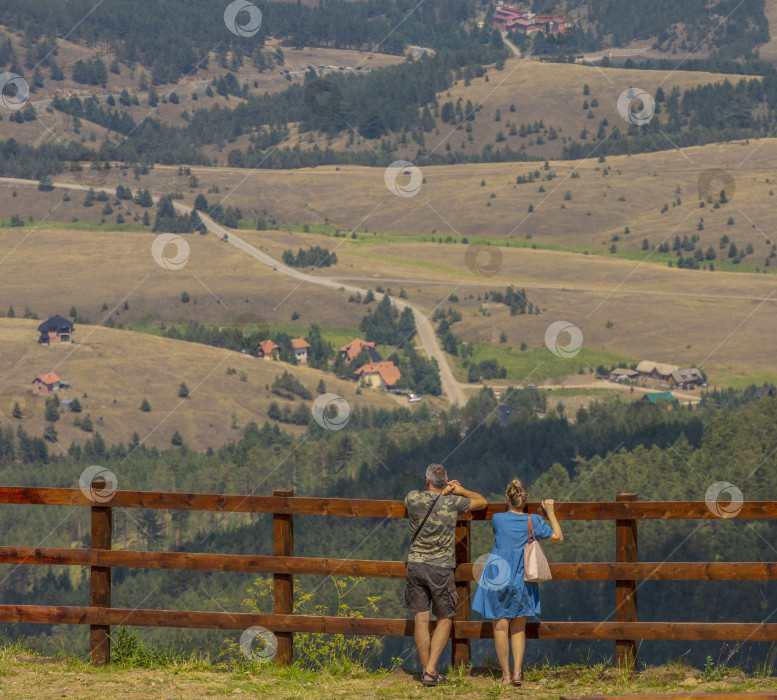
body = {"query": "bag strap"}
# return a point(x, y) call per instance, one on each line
point(423, 522)
point(530, 532)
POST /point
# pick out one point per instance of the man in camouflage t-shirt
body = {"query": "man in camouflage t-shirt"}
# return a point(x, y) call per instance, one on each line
point(432, 561)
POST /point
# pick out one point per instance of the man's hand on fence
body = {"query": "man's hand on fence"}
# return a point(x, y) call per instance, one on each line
point(450, 487)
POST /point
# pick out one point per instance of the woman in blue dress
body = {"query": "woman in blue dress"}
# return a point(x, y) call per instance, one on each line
point(502, 595)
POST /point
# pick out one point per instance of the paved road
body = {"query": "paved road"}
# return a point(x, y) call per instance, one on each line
point(451, 388)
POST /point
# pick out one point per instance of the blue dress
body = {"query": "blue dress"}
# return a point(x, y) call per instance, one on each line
point(502, 592)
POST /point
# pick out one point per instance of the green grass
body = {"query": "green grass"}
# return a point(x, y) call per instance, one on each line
point(741, 381)
point(319, 229)
point(337, 335)
point(372, 239)
point(533, 364)
point(79, 226)
point(605, 393)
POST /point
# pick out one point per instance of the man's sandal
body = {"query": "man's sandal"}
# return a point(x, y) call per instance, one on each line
point(441, 678)
point(518, 678)
point(428, 679)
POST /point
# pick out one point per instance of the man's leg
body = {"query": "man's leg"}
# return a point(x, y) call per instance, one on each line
point(442, 633)
point(421, 635)
point(502, 646)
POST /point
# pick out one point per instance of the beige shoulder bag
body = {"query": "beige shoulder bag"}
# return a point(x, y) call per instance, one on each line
point(535, 565)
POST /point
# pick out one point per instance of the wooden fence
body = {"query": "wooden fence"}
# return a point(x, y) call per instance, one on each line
point(626, 571)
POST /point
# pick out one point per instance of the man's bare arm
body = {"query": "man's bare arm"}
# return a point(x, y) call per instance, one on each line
point(477, 502)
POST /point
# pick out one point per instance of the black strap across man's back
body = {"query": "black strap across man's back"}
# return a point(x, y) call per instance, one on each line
point(423, 522)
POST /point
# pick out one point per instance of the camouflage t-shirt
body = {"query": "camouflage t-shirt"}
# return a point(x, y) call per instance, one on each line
point(435, 543)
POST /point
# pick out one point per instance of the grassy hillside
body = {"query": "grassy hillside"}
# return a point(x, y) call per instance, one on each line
point(521, 92)
point(112, 370)
point(580, 206)
point(628, 303)
point(528, 91)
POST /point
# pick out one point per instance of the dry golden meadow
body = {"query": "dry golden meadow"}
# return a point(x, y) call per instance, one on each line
point(554, 235)
point(722, 319)
point(111, 371)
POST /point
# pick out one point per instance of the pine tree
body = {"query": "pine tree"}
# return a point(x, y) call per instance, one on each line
point(52, 411)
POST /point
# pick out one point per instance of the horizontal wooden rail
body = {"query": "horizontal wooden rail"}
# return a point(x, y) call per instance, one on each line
point(653, 571)
point(626, 570)
point(190, 561)
point(710, 631)
point(298, 505)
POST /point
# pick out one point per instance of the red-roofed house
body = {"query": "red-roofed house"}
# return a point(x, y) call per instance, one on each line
point(300, 347)
point(45, 383)
point(351, 350)
point(504, 15)
point(559, 25)
point(524, 26)
point(380, 375)
point(267, 350)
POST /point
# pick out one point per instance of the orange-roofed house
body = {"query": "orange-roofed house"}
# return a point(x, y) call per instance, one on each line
point(352, 350)
point(268, 350)
point(300, 347)
point(45, 383)
point(379, 375)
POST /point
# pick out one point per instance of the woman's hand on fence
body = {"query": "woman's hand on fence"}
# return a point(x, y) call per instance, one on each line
point(548, 505)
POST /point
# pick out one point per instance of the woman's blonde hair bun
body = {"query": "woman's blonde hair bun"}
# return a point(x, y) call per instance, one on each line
point(517, 495)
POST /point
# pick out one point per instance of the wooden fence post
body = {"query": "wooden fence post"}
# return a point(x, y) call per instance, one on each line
point(460, 648)
point(283, 584)
point(626, 591)
point(100, 585)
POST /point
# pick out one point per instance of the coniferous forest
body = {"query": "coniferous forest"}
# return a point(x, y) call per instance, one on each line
point(658, 453)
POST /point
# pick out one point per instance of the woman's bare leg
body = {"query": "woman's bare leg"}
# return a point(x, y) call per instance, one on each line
point(502, 644)
point(518, 643)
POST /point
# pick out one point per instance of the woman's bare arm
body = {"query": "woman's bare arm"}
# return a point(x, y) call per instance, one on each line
point(548, 507)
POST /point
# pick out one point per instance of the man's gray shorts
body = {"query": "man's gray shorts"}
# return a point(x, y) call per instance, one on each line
point(427, 585)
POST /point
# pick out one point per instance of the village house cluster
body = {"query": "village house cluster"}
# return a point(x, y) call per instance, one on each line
point(378, 373)
point(669, 375)
point(510, 19)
